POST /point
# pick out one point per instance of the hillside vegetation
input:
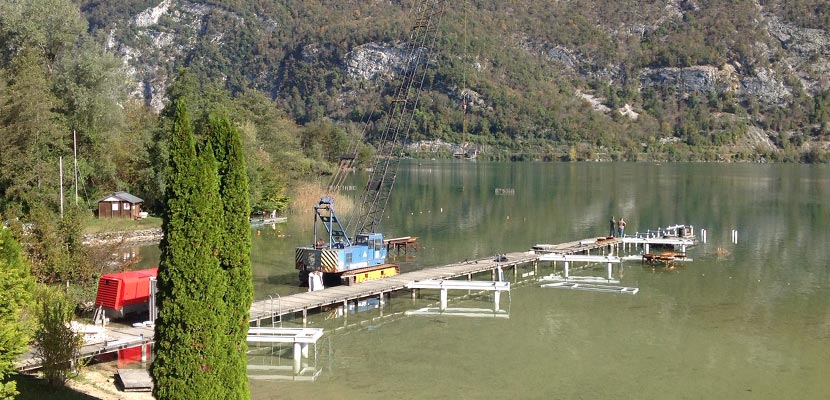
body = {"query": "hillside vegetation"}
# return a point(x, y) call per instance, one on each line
point(567, 80)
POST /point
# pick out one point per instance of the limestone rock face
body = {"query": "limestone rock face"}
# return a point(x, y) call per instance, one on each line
point(373, 61)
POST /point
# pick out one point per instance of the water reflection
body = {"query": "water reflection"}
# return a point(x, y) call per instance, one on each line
point(745, 320)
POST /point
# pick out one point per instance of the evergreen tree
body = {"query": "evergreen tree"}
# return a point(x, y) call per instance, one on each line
point(192, 324)
point(16, 284)
point(235, 252)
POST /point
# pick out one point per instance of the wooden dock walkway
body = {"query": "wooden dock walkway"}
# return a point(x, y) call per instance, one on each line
point(275, 307)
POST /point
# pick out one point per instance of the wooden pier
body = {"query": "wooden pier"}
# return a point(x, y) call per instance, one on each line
point(275, 307)
point(302, 303)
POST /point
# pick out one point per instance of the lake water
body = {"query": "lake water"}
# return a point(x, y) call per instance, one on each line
point(748, 320)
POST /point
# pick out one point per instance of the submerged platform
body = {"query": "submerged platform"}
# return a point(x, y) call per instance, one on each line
point(592, 287)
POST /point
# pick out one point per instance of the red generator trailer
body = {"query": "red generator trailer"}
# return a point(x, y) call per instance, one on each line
point(123, 293)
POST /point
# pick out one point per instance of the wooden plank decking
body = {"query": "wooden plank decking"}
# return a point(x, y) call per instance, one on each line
point(303, 302)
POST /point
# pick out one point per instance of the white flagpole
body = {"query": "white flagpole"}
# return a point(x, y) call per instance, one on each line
point(75, 151)
point(60, 161)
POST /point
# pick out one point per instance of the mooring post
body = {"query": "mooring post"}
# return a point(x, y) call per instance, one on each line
point(298, 353)
point(609, 270)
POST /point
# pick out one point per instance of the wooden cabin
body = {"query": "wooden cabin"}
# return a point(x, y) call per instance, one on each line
point(119, 205)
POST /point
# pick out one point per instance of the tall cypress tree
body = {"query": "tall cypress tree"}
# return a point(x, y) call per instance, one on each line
point(17, 285)
point(191, 326)
point(235, 253)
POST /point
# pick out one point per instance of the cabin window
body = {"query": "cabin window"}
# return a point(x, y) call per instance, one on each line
point(114, 206)
point(348, 258)
point(376, 245)
point(126, 206)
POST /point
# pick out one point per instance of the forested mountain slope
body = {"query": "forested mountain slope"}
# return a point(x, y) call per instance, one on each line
point(748, 75)
point(551, 80)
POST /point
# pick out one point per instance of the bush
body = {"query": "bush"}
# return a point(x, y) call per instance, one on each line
point(55, 343)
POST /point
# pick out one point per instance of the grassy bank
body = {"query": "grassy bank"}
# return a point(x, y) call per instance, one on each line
point(96, 225)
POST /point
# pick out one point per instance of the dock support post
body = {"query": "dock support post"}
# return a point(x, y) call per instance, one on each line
point(298, 353)
point(496, 296)
point(143, 350)
point(566, 270)
point(469, 277)
point(380, 300)
point(515, 273)
point(500, 274)
point(443, 299)
point(305, 316)
point(304, 350)
point(683, 249)
point(609, 270)
point(645, 248)
point(536, 268)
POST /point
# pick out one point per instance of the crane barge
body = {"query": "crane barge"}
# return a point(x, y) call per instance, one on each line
point(356, 252)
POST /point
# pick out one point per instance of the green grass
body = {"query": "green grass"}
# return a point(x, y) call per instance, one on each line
point(96, 225)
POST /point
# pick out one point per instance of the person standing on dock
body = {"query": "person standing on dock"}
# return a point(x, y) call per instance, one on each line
point(613, 226)
point(621, 227)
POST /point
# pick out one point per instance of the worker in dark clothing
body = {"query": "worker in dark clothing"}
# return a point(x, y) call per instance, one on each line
point(613, 227)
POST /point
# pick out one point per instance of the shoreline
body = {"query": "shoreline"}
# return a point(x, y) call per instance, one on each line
point(124, 237)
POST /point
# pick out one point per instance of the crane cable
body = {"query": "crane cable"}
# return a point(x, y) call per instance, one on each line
point(342, 172)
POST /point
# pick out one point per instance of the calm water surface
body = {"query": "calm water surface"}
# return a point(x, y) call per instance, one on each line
point(748, 320)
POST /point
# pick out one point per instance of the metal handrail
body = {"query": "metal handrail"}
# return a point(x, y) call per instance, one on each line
point(279, 308)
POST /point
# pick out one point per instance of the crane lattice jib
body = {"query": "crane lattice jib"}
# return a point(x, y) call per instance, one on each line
point(399, 119)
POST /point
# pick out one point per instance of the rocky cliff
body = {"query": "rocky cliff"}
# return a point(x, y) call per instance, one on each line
point(763, 59)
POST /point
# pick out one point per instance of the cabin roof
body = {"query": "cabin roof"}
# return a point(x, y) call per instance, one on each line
point(122, 196)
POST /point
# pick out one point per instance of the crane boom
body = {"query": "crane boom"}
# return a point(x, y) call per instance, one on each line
point(362, 255)
point(399, 119)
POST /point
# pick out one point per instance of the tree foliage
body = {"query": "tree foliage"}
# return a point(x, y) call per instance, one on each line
point(17, 286)
point(235, 250)
point(56, 344)
point(192, 324)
